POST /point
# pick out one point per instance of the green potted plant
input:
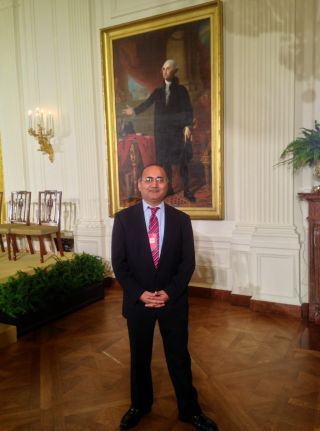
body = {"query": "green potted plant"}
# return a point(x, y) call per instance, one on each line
point(304, 150)
point(32, 300)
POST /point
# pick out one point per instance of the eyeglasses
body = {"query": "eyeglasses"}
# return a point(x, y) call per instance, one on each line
point(158, 180)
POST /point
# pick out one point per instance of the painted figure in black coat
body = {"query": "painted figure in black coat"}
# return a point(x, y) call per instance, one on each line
point(173, 119)
point(156, 293)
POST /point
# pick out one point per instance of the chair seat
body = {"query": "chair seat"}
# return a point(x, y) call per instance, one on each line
point(34, 230)
point(5, 228)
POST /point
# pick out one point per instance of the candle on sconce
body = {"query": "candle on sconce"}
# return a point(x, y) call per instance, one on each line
point(49, 118)
point(30, 119)
point(37, 117)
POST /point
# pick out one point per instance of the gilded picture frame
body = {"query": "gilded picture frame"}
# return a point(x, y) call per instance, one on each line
point(133, 55)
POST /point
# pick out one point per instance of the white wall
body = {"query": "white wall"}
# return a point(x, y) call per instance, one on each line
point(50, 55)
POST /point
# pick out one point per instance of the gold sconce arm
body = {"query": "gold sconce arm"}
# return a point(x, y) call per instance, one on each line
point(41, 133)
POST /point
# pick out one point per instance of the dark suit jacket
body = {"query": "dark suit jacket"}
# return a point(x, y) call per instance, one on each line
point(132, 259)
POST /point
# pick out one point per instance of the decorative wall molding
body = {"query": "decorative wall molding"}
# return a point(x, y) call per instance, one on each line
point(258, 261)
point(83, 96)
point(92, 227)
point(5, 4)
point(259, 41)
point(90, 238)
point(10, 101)
point(275, 237)
point(265, 263)
point(212, 262)
point(122, 8)
point(276, 277)
point(89, 230)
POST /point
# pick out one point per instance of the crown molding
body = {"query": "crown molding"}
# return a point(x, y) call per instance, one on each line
point(6, 4)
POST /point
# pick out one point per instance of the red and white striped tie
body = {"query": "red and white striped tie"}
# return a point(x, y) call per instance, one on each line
point(154, 235)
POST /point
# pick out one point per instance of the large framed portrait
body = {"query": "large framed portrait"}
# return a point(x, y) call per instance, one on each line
point(163, 92)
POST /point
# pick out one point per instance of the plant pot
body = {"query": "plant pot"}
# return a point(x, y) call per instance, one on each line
point(32, 320)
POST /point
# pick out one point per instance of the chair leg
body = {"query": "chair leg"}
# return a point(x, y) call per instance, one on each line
point(42, 248)
point(8, 238)
point(14, 243)
point(1, 244)
point(15, 247)
point(30, 244)
point(51, 243)
point(59, 242)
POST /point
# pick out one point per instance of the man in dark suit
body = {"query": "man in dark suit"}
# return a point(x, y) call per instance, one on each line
point(173, 119)
point(153, 259)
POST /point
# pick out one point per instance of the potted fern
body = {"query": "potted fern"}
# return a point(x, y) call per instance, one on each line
point(304, 150)
point(32, 300)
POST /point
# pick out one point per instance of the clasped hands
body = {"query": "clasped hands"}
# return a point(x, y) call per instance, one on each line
point(156, 299)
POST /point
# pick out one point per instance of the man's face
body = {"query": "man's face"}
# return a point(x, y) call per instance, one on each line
point(168, 72)
point(153, 185)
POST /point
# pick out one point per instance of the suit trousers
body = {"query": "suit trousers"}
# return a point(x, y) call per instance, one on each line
point(174, 332)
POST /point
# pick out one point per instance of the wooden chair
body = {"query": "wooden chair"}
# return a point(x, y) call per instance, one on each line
point(49, 215)
point(1, 241)
point(19, 217)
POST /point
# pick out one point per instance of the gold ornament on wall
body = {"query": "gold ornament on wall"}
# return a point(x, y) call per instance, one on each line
point(41, 127)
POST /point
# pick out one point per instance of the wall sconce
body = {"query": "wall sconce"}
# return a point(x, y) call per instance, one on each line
point(41, 127)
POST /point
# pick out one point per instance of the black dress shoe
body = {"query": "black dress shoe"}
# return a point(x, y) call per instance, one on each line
point(132, 418)
point(189, 195)
point(203, 423)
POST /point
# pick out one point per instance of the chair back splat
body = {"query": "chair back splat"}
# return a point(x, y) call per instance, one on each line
point(49, 210)
point(19, 211)
point(18, 218)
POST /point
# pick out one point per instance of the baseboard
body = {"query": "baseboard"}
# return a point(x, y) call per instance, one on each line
point(220, 295)
point(305, 311)
point(295, 311)
point(276, 308)
point(204, 292)
point(241, 300)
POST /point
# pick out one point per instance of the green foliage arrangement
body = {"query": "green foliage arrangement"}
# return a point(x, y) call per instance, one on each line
point(50, 286)
point(304, 150)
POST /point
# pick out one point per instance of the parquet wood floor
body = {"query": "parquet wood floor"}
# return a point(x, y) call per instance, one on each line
point(73, 375)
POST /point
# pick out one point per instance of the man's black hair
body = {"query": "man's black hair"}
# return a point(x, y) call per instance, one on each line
point(148, 166)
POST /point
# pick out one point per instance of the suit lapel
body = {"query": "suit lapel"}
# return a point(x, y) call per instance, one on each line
point(166, 234)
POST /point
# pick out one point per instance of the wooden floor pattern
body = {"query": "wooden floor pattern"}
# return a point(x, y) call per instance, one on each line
point(73, 375)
